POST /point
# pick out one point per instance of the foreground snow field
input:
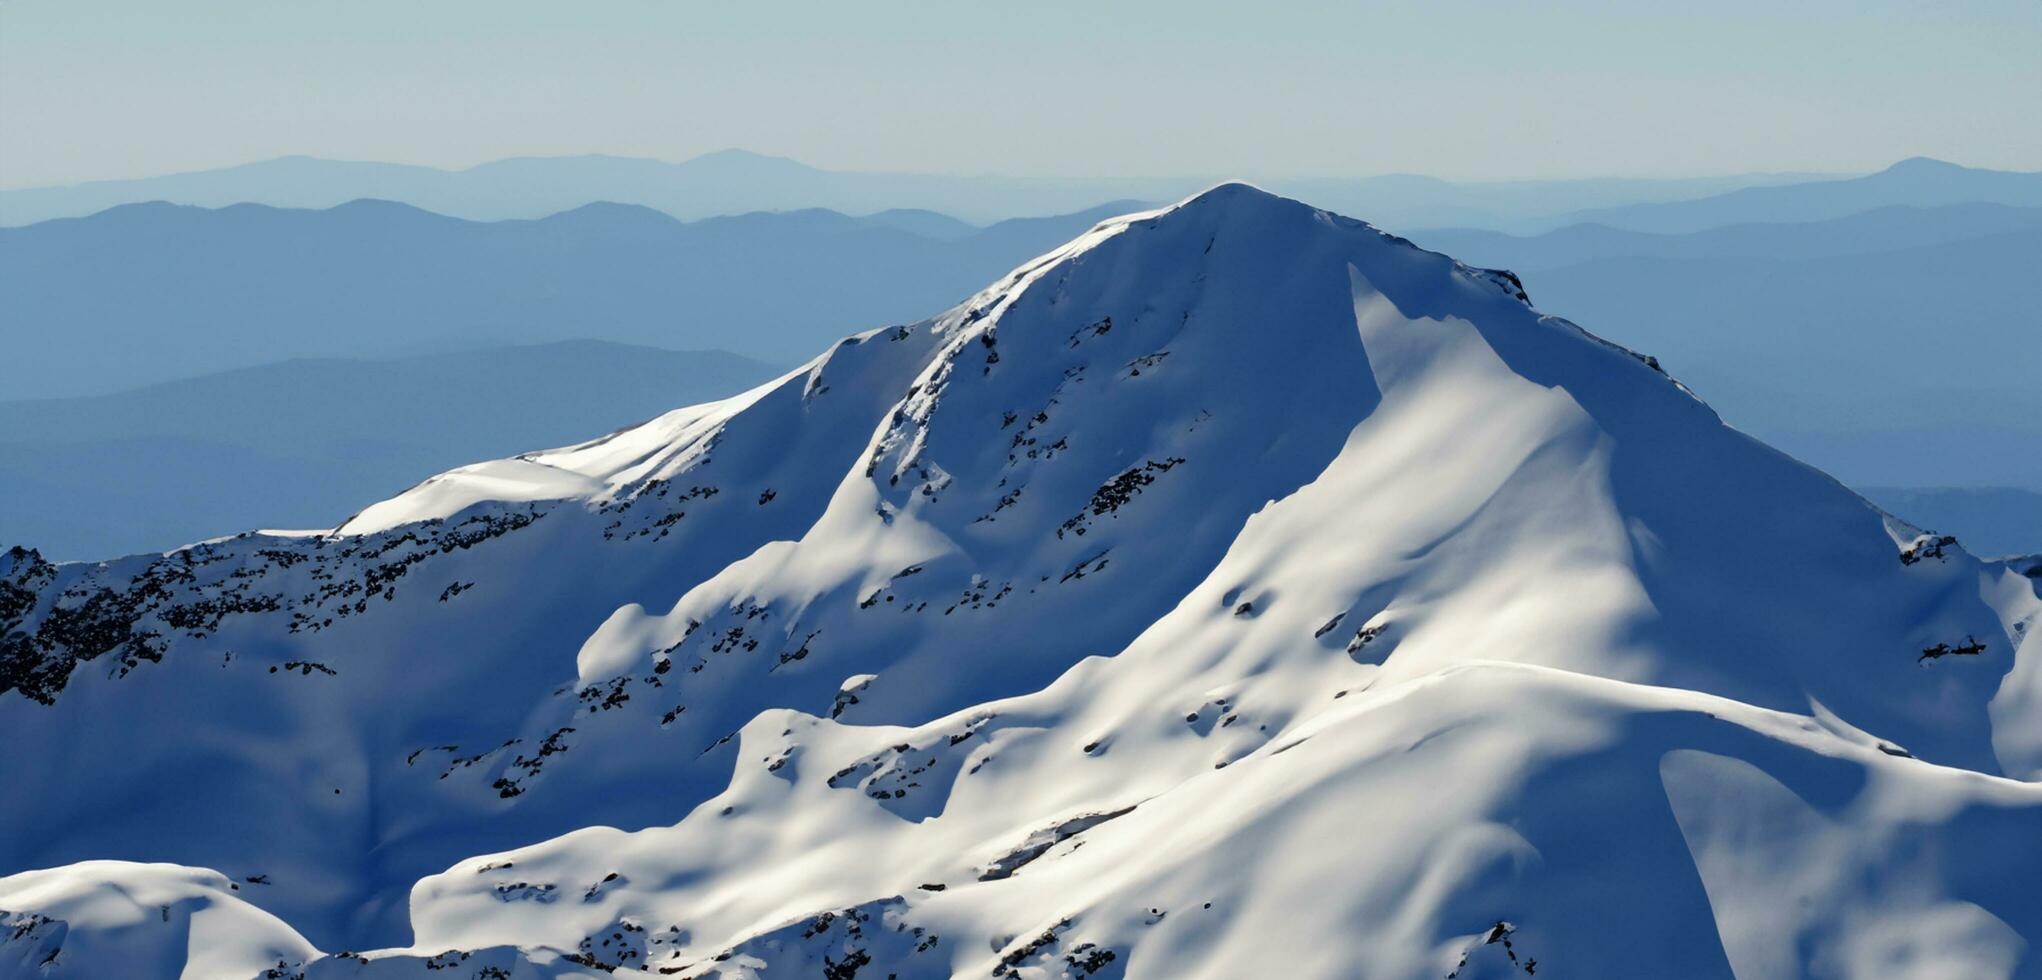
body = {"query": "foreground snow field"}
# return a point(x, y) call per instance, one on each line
point(1237, 591)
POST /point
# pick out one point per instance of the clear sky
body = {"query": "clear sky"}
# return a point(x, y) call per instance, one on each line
point(112, 88)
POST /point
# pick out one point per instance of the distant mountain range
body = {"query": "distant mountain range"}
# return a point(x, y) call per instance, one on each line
point(151, 292)
point(1891, 346)
point(1911, 366)
point(302, 443)
point(734, 181)
point(1919, 182)
point(1879, 229)
point(1841, 340)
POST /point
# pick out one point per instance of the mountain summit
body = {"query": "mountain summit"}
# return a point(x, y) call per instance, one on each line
point(1234, 591)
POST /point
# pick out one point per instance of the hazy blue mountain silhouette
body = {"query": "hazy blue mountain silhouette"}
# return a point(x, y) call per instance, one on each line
point(1919, 182)
point(1988, 520)
point(1891, 347)
point(1881, 229)
point(301, 443)
point(920, 221)
point(735, 181)
point(149, 292)
point(522, 187)
point(1905, 367)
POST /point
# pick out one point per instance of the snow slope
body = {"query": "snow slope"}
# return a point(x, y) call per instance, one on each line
point(1235, 591)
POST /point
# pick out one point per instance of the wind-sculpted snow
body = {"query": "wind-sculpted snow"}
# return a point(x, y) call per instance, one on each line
point(1236, 591)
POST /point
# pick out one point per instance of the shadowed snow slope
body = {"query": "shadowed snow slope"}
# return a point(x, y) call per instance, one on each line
point(1235, 591)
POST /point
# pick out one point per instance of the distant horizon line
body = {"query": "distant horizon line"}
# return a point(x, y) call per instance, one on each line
point(740, 153)
point(1130, 205)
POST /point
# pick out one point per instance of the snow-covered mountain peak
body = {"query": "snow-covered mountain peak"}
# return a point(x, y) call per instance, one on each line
point(1236, 589)
point(1261, 231)
point(1212, 255)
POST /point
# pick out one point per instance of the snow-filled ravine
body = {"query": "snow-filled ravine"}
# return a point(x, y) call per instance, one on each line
point(1236, 591)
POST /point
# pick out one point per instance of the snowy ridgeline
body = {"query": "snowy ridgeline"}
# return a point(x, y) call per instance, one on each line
point(1237, 591)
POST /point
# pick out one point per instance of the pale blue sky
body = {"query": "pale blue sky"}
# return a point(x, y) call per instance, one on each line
point(112, 88)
